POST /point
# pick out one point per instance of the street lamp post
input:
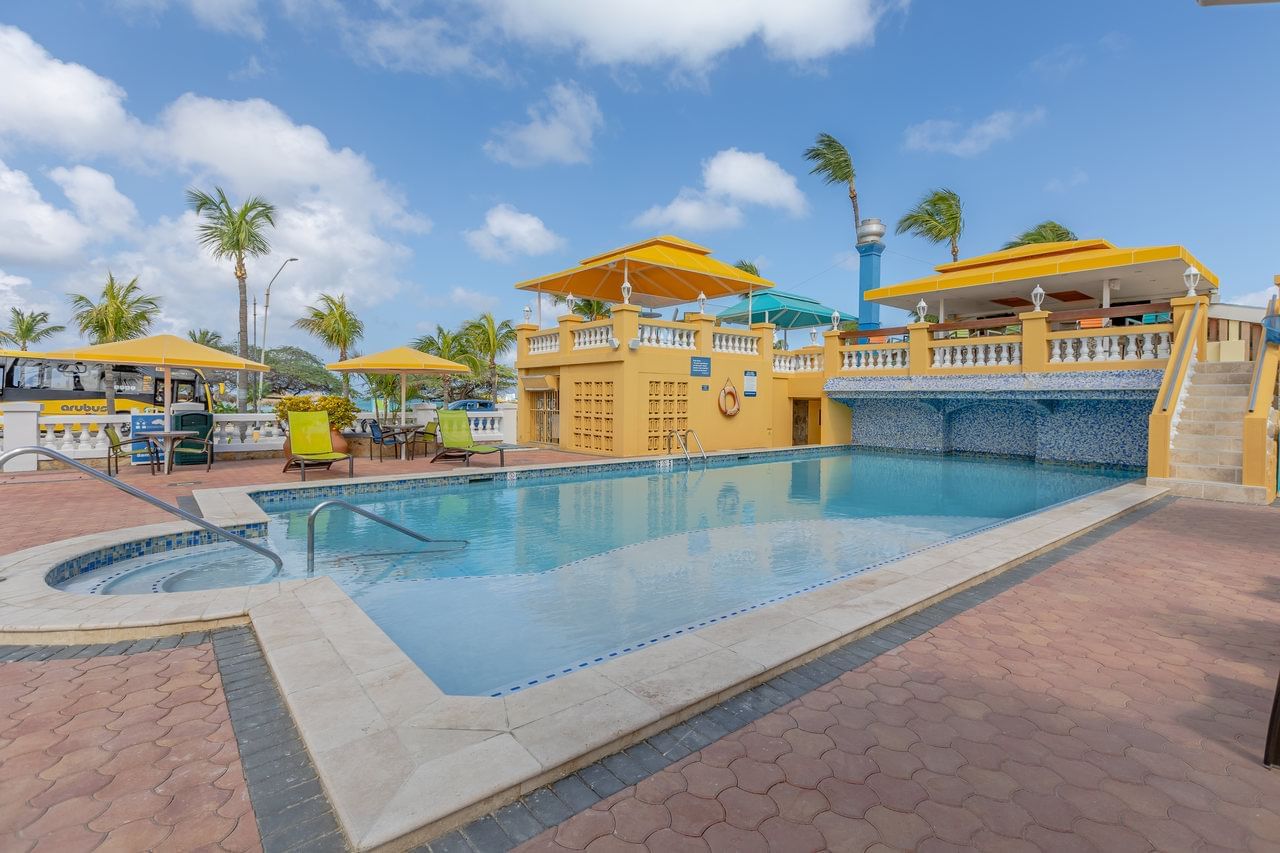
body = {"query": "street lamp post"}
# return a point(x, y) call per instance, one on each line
point(262, 350)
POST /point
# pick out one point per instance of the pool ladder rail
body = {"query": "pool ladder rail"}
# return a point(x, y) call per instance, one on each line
point(143, 496)
point(682, 440)
point(372, 516)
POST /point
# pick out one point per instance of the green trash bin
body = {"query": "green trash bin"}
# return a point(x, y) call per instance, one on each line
point(201, 422)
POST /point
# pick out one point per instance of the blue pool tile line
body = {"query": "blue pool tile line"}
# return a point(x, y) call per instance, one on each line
point(103, 557)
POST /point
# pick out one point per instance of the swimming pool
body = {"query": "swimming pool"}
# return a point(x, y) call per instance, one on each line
point(562, 572)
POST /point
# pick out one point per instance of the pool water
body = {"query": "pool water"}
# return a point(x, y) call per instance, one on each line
point(563, 572)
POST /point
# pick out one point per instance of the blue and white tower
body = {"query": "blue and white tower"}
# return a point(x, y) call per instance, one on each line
point(870, 248)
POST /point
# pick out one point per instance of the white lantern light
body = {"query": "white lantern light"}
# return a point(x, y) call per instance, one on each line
point(528, 313)
point(1037, 297)
point(835, 320)
point(921, 309)
point(702, 302)
point(813, 337)
point(1191, 277)
point(626, 292)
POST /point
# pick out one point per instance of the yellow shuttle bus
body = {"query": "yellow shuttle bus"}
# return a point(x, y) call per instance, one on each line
point(78, 388)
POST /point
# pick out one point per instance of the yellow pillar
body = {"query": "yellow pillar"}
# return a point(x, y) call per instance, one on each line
point(705, 324)
point(568, 323)
point(1181, 308)
point(918, 349)
point(831, 353)
point(626, 323)
point(837, 418)
point(1035, 341)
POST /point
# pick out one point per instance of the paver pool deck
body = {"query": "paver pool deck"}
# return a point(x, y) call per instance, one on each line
point(1118, 699)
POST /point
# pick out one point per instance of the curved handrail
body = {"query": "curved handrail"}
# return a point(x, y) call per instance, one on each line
point(143, 496)
point(1190, 329)
point(372, 516)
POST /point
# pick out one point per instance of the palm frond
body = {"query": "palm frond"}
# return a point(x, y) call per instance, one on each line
point(1048, 231)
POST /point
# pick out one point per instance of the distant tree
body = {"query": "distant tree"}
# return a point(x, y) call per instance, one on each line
point(1046, 232)
point(937, 217)
point(451, 346)
point(332, 322)
point(488, 342)
point(121, 313)
point(831, 160)
point(587, 309)
point(296, 371)
point(28, 327)
point(208, 338)
point(234, 233)
point(748, 267)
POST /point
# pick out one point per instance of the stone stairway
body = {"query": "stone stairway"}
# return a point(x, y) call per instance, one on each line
point(1207, 455)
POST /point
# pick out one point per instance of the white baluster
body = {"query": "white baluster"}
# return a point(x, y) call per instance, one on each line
point(1015, 355)
point(1055, 352)
point(1148, 346)
point(1162, 348)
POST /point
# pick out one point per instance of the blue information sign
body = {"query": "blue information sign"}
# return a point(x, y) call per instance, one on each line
point(748, 383)
point(145, 423)
point(699, 365)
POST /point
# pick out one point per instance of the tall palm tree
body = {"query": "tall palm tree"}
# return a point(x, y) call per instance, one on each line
point(587, 309)
point(449, 345)
point(206, 337)
point(1048, 231)
point(936, 217)
point(490, 341)
point(235, 233)
point(332, 322)
point(28, 327)
point(831, 160)
point(122, 312)
point(748, 266)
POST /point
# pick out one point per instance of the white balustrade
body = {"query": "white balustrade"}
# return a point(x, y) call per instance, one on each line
point(80, 436)
point(544, 343)
point(975, 353)
point(667, 337)
point(593, 337)
point(797, 362)
point(234, 432)
point(872, 358)
point(736, 344)
point(1117, 347)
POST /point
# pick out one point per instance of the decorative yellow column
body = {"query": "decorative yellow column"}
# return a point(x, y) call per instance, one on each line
point(918, 360)
point(1182, 307)
point(1035, 341)
point(705, 324)
point(524, 410)
point(568, 323)
point(831, 353)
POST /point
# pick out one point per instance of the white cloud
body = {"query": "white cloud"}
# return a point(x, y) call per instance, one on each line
point(31, 229)
point(15, 293)
point(472, 301)
point(251, 70)
point(508, 232)
point(1061, 185)
point(966, 140)
point(424, 45)
point(95, 198)
point(1059, 62)
point(730, 179)
point(690, 34)
point(1260, 298)
point(234, 17)
point(560, 130)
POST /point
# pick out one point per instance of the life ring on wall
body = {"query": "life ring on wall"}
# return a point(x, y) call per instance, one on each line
point(729, 404)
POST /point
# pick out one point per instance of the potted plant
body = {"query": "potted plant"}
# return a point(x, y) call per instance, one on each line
point(341, 411)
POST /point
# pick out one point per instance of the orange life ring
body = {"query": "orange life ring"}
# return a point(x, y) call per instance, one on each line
point(729, 404)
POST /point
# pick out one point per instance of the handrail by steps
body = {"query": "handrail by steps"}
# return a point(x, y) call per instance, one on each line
point(682, 439)
point(143, 496)
point(1189, 334)
point(372, 516)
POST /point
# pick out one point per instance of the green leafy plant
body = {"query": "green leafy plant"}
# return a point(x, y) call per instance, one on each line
point(937, 217)
point(341, 411)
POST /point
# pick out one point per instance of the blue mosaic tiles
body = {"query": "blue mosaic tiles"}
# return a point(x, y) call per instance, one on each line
point(1093, 417)
point(68, 569)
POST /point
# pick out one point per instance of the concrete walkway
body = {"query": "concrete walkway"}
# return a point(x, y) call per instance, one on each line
point(1117, 701)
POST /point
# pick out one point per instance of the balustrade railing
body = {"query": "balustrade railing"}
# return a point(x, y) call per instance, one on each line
point(958, 354)
point(593, 337)
point(1144, 343)
point(667, 337)
point(80, 436)
point(544, 343)
point(797, 362)
point(737, 344)
point(874, 357)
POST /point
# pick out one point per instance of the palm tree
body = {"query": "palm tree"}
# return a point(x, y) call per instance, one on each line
point(1048, 231)
point(235, 233)
point(749, 267)
point(938, 218)
point(587, 309)
point(121, 313)
point(831, 160)
point(28, 327)
point(335, 325)
point(206, 337)
point(490, 341)
point(449, 345)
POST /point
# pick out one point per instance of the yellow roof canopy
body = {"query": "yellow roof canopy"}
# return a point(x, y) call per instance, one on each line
point(399, 360)
point(156, 351)
point(1072, 275)
point(662, 271)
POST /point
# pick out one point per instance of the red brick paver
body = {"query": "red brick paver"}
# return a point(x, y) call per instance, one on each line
point(123, 752)
point(1117, 701)
point(44, 506)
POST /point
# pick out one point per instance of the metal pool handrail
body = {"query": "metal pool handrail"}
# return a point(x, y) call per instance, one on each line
point(682, 439)
point(1189, 334)
point(372, 516)
point(143, 496)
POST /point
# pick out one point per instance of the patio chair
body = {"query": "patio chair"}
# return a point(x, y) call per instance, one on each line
point(193, 451)
point(124, 447)
point(384, 439)
point(456, 440)
point(310, 444)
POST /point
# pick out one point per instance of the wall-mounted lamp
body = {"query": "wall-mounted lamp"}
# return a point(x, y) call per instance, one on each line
point(528, 313)
point(702, 303)
point(1037, 297)
point(633, 344)
point(1191, 278)
point(835, 321)
point(922, 308)
point(813, 337)
point(615, 343)
point(626, 292)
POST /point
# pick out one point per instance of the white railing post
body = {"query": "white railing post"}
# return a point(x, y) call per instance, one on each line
point(21, 429)
point(507, 412)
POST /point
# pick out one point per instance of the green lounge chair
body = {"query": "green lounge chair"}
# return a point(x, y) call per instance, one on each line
point(456, 440)
point(310, 444)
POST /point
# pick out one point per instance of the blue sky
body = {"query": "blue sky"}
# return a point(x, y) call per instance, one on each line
point(426, 156)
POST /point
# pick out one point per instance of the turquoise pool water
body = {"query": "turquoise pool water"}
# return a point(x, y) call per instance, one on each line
point(563, 572)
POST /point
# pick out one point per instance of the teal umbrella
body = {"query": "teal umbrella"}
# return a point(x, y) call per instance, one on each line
point(784, 310)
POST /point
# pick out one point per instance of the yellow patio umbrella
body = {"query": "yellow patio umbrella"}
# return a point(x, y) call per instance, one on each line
point(402, 361)
point(660, 271)
point(164, 351)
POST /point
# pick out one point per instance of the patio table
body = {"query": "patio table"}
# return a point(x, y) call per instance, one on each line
point(170, 440)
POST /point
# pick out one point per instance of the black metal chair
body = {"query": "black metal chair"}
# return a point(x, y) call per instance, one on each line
point(385, 439)
point(125, 448)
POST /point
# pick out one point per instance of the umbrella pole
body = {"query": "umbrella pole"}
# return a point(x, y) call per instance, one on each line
point(403, 444)
point(168, 400)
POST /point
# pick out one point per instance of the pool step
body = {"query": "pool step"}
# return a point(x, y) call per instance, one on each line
point(1183, 455)
point(1207, 456)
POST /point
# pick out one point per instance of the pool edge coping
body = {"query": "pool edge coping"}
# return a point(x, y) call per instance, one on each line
point(437, 761)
